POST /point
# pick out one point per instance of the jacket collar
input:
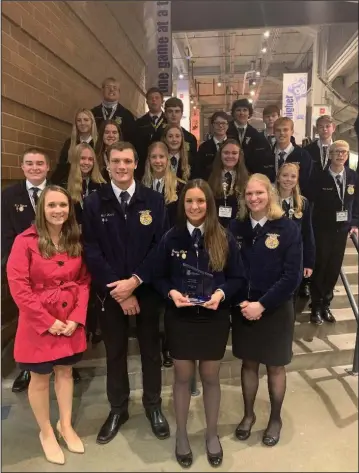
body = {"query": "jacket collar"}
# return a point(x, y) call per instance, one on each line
point(106, 193)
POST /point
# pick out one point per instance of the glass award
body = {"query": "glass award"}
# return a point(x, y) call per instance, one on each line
point(197, 284)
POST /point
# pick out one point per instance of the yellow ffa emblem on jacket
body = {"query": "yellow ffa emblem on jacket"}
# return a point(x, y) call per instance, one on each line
point(272, 241)
point(20, 207)
point(350, 189)
point(145, 217)
point(118, 120)
point(187, 146)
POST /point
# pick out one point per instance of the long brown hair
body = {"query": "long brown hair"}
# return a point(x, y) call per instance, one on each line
point(100, 147)
point(298, 199)
point(170, 180)
point(274, 211)
point(215, 238)
point(184, 163)
point(75, 135)
point(74, 183)
point(215, 179)
point(70, 233)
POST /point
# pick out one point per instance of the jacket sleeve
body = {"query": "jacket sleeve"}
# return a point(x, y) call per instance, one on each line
point(100, 270)
point(18, 273)
point(64, 153)
point(145, 270)
point(305, 172)
point(234, 271)
point(291, 274)
point(308, 237)
point(161, 270)
point(80, 311)
point(8, 233)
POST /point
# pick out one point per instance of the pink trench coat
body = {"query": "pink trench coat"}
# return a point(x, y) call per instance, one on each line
point(45, 290)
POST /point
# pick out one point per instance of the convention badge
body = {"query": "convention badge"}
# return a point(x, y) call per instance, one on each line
point(272, 241)
point(342, 216)
point(145, 217)
point(298, 214)
point(350, 189)
point(183, 254)
point(20, 207)
point(290, 213)
point(225, 212)
point(248, 138)
point(118, 120)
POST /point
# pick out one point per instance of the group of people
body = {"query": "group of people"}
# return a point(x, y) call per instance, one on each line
point(136, 221)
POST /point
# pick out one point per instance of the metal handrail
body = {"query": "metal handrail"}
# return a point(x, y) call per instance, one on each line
point(354, 306)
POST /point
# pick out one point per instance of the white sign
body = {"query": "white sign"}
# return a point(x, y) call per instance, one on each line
point(159, 46)
point(295, 101)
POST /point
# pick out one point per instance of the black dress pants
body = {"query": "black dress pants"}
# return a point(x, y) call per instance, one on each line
point(330, 248)
point(114, 325)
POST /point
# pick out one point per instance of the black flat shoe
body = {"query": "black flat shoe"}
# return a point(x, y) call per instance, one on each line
point(185, 460)
point(244, 434)
point(111, 426)
point(316, 317)
point(167, 360)
point(328, 316)
point(21, 382)
point(159, 423)
point(215, 459)
point(271, 440)
point(76, 375)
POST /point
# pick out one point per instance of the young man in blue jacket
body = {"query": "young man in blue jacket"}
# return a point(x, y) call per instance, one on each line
point(122, 223)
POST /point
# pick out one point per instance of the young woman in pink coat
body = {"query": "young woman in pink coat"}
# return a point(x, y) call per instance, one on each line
point(50, 285)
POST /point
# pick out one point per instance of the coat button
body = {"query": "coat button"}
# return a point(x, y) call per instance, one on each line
point(60, 263)
point(64, 304)
point(61, 283)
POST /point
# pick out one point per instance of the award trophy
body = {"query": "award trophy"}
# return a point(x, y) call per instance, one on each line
point(197, 284)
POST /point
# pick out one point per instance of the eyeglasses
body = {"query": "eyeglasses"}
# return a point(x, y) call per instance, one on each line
point(220, 123)
point(340, 152)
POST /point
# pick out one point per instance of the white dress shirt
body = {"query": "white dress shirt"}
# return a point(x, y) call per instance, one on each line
point(261, 222)
point(117, 191)
point(287, 151)
point(156, 181)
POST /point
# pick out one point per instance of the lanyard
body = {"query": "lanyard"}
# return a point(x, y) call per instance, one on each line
point(344, 182)
point(158, 124)
point(105, 113)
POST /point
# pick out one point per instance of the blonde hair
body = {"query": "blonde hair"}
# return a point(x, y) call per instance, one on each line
point(75, 136)
point(185, 167)
point(74, 184)
point(170, 180)
point(70, 233)
point(274, 211)
point(298, 199)
point(283, 121)
point(338, 143)
point(215, 179)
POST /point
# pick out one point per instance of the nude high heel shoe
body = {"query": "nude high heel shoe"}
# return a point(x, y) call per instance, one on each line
point(76, 446)
point(52, 455)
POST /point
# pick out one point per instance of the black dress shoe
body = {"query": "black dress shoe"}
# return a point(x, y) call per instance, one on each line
point(111, 426)
point(328, 316)
point(271, 440)
point(96, 338)
point(304, 290)
point(215, 459)
point(21, 383)
point(76, 375)
point(243, 434)
point(167, 360)
point(316, 317)
point(185, 460)
point(159, 423)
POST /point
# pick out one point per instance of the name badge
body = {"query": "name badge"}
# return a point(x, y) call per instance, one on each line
point(225, 212)
point(342, 216)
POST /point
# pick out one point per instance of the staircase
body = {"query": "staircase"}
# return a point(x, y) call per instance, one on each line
point(322, 346)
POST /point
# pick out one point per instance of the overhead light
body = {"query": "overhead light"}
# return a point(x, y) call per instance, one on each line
point(192, 101)
point(181, 76)
point(219, 84)
point(258, 73)
point(252, 93)
point(264, 50)
point(250, 100)
point(254, 82)
point(194, 107)
point(266, 34)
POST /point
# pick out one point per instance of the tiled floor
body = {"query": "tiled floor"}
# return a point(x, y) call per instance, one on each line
point(320, 430)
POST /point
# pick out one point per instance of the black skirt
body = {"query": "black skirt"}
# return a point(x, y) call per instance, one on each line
point(267, 340)
point(46, 367)
point(195, 333)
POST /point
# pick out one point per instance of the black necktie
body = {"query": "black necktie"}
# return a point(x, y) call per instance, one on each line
point(154, 119)
point(256, 230)
point(281, 158)
point(35, 191)
point(340, 185)
point(158, 185)
point(286, 207)
point(325, 151)
point(240, 133)
point(228, 178)
point(124, 197)
point(84, 187)
point(174, 162)
point(196, 236)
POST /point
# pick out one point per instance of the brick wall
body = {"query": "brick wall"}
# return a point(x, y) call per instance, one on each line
point(54, 58)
